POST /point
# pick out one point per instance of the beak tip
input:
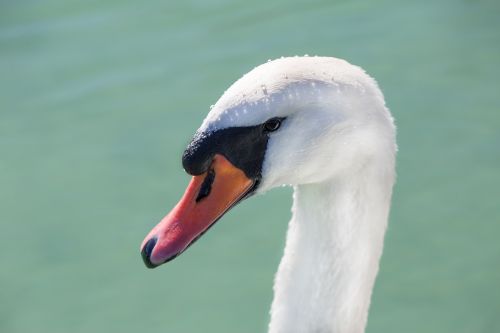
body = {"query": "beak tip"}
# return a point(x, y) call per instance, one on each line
point(146, 251)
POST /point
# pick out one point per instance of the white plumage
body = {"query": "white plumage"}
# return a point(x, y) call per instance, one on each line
point(337, 148)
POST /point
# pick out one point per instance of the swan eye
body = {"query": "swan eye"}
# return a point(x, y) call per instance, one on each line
point(272, 124)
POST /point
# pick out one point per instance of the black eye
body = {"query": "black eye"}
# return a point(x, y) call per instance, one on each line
point(272, 124)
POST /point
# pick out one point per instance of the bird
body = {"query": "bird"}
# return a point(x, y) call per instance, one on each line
point(320, 125)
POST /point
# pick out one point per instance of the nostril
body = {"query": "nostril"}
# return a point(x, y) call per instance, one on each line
point(206, 186)
point(147, 250)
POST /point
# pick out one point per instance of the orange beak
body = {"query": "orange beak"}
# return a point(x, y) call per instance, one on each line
point(207, 197)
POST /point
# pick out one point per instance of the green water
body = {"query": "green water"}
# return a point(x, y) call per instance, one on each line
point(99, 98)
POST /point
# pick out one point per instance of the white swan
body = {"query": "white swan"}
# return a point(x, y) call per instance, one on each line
point(321, 125)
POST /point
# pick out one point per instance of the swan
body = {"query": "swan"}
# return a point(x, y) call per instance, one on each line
point(320, 125)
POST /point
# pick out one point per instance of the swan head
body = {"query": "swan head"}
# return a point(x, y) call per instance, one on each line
point(290, 121)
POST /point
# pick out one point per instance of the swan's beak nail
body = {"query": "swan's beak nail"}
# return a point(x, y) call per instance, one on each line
point(207, 197)
point(147, 250)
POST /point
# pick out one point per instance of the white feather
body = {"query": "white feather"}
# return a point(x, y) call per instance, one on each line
point(337, 148)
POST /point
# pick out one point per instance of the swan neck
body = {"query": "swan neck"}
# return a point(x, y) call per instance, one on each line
point(333, 247)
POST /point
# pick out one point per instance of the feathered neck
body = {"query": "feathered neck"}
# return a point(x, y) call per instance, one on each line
point(333, 247)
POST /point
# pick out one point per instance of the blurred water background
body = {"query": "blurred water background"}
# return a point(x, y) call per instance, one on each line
point(99, 98)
